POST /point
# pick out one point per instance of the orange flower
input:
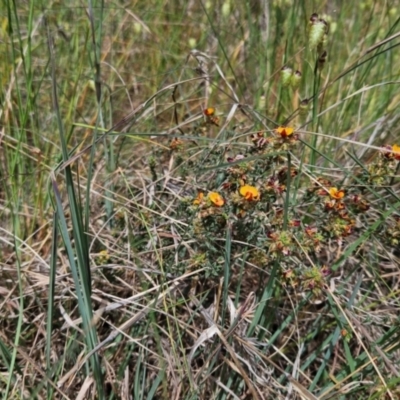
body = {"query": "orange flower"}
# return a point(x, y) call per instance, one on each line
point(284, 131)
point(209, 112)
point(216, 199)
point(199, 199)
point(250, 193)
point(335, 193)
point(396, 151)
point(175, 144)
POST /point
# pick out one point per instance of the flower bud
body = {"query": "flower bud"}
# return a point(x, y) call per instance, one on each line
point(261, 103)
point(321, 46)
point(295, 80)
point(226, 9)
point(286, 75)
point(314, 18)
point(322, 60)
point(303, 108)
point(317, 31)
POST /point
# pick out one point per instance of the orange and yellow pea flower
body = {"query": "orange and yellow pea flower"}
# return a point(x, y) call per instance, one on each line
point(199, 199)
point(396, 151)
point(284, 131)
point(209, 112)
point(250, 193)
point(216, 199)
point(336, 194)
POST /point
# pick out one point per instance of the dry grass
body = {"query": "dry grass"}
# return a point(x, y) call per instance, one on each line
point(116, 284)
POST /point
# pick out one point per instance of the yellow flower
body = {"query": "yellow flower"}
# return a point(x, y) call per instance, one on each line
point(216, 199)
point(250, 193)
point(103, 257)
point(396, 151)
point(209, 112)
point(335, 193)
point(199, 199)
point(284, 131)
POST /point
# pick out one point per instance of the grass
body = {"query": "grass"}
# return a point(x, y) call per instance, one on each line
point(186, 216)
